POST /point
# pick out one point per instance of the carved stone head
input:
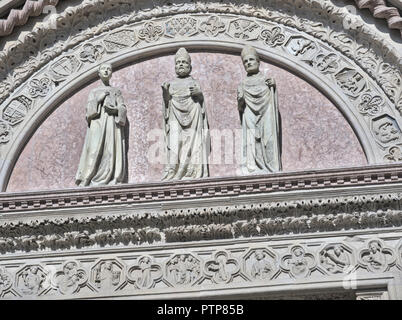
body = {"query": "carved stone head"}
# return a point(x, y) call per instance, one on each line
point(182, 63)
point(105, 71)
point(250, 59)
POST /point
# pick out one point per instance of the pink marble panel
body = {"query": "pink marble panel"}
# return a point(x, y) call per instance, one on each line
point(315, 134)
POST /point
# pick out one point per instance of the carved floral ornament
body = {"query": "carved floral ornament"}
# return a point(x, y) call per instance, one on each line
point(186, 270)
point(91, 35)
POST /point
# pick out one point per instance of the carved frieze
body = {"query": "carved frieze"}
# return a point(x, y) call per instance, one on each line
point(40, 87)
point(91, 53)
point(350, 81)
point(70, 278)
point(17, 110)
point(370, 104)
point(64, 67)
point(119, 40)
point(183, 269)
point(6, 280)
point(212, 26)
point(273, 37)
point(183, 26)
point(243, 29)
point(301, 47)
point(298, 262)
point(327, 63)
point(386, 129)
point(107, 275)
point(337, 258)
point(31, 280)
point(5, 132)
point(376, 257)
point(222, 267)
point(260, 264)
point(145, 273)
point(151, 32)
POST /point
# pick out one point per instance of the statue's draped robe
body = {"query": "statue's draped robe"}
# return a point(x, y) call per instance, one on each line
point(186, 132)
point(103, 156)
point(261, 146)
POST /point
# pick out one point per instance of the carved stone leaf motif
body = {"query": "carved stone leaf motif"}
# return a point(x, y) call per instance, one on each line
point(107, 275)
point(91, 53)
point(39, 87)
point(243, 29)
point(350, 81)
point(119, 40)
point(6, 280)
point(17, 109)
point(145, 273)
point(298, 262)
point(370, 104)
point(394, 154)
point(150, 32)
point(260, 264)
point(64, 67)
point(184, 26)
point(5, 132)
point(70, 278)
point(273, 37)
point(213, 26)
point(222, 268)
point(376, 257)
point(327, 63)
point(183, 269)
point(31, 280)
point(385, 129)
point(336, 258)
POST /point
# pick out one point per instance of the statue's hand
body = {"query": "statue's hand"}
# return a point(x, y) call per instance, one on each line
point(240, 94)
point(165, 89)
point(195, 90)
point(270, 82)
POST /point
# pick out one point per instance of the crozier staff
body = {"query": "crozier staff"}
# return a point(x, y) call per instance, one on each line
point(260, 119)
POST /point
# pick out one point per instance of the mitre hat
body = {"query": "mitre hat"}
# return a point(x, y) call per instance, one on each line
point(249, 51)
point(182, 53)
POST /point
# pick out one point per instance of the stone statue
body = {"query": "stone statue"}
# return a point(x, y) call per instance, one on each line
point(185, 123)
point(260, 118)
point(103, 158)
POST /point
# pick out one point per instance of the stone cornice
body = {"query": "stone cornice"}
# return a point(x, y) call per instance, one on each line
point(200, 189)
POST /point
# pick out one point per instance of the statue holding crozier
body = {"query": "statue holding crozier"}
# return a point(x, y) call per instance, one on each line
point(258, 107)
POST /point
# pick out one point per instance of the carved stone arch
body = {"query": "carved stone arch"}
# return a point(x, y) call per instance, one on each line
point(368, 102)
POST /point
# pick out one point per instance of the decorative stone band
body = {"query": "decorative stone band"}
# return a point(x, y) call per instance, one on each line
point(262, 266)
point(349, 201)
point(379, 9)
point(20, 17)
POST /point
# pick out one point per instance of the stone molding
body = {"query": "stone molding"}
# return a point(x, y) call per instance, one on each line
point(200, 188)
point(380, 10)
point(329, 60)
point(19, 17)
point(215, 209)
point(256, 266)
